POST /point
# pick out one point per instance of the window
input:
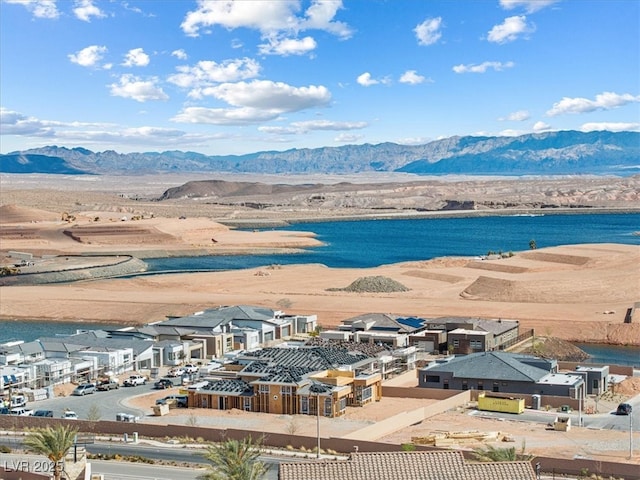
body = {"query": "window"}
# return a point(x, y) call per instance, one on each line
point(264, 389)
point(496, 387)
point(327, 407)
point(480, 385)
point(247, 404)
point(446, 385)
point(456, 343)
point(285, 389)
point(432, 378)
point(596, 383)
point(343, 404)
point(367, 393)
point(304, 404)
point(476, 344)
point(465, 386)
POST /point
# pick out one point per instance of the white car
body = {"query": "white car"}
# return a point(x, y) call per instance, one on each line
point(21, 412)
point(191, 368)
point(176, 372)
point(70, 415)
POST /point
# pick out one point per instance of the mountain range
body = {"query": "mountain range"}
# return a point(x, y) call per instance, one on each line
point(550, 153)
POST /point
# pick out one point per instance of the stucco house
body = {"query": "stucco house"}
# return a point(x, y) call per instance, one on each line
point(293, 381)
point(500, 372)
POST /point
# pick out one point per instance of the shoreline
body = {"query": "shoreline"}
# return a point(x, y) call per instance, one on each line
point(249, 223)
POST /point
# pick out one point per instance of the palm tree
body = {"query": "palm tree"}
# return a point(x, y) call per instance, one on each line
point(495, 454)
point(235, 460)
point(53, 443)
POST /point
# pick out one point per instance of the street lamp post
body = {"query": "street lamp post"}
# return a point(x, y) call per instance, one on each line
point(318, 421)
point(630, 436)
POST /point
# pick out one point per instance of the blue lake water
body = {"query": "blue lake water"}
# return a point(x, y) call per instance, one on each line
point(370, 243)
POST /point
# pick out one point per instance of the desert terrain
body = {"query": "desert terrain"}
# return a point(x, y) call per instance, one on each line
point(579, 292)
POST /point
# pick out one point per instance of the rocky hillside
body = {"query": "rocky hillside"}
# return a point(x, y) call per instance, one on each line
point(551, 153)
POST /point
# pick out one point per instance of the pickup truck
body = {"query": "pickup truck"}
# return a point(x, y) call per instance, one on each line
point(135, 380)
point(107, 385)
point(21, 412)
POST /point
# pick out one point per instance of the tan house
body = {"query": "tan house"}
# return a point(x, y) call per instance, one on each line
point(294, 381)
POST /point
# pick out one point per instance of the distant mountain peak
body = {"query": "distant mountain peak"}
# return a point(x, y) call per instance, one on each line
point(547, 153)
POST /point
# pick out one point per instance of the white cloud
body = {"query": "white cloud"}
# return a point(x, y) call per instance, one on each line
point(275, 20)
point(207, 72)
point(312, 125)
point(268, 95)
point(603, 101)
point(366, 80)
point(179, 54)
point(288, 46)
point(428, 32)
point(348, 138)
point(413, 140)
point(254, 102)
point(328, 125)
point(530, 6)
point(541, 127)
point(510, 132)
point(412, 78)
point(482, 67)
point(136, 58)
point(89, 56)
point(85, 9)
point(518, 116)
point(15, 123)
point(510, 29)
point(611, 126)
point(224, 116)
point(139, 90)
point(39, 8)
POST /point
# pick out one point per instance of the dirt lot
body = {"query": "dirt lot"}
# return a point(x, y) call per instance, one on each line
point(535, 439)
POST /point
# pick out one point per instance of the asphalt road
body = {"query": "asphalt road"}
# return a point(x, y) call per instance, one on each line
point(105, 404)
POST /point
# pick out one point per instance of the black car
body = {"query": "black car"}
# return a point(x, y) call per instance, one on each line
point(43, 413)
point(624, 409)
point(163, 383)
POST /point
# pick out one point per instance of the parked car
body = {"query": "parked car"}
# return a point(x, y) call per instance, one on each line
point(18, 401)
point(135, 380)
point(176, 372)
point(191, 368)
point(84, 389)
point(624, 409)
point(70, 415)
point(108, 385)
point(126, 417)
point(43, 413)
point(163, 383)
point(180, 400)
point(21, 412)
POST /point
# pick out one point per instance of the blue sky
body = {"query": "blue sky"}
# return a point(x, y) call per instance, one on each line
point(232, 77)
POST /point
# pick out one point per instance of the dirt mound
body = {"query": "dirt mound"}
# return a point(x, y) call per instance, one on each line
point(551, 347)
point(489, 288)
point(378, 284)
point(496, 267)
point(556, 258)
point(630, 386)
point(17, 214)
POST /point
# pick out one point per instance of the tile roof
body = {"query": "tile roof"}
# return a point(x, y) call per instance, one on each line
point(228, 387)
point(492, 366)
point(314, 358)
point(214, 317)
point(432, 465)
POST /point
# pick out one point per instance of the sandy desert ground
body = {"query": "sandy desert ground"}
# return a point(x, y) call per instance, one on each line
point(578, 292)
